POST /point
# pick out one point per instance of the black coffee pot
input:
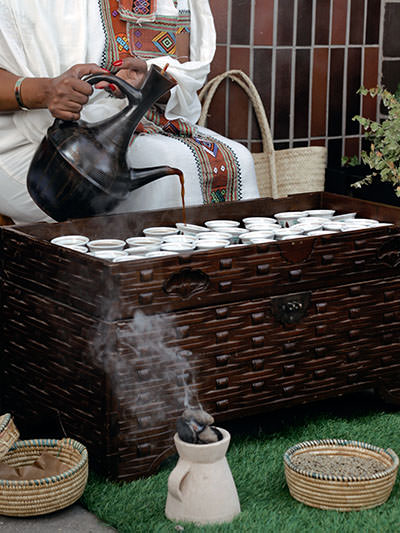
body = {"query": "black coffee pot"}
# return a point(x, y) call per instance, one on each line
point(79, 169)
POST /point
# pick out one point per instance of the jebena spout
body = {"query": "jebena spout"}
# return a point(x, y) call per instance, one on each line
point(143, 176)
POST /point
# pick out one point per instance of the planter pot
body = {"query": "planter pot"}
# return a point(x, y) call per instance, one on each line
point(339, 181)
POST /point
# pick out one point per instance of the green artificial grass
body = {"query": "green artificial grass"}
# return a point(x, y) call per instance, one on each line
point(255, 459)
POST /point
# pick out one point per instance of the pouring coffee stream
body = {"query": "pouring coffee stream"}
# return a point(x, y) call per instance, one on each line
point(79, 169)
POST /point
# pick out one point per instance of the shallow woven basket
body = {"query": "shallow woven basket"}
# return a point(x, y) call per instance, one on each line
point(340, 492)
point(45, 495)
point(8, 433)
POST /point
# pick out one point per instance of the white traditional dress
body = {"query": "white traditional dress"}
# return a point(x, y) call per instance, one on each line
point(43, 38)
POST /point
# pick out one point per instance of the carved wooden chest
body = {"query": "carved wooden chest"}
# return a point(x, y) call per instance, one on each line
point(107, 352)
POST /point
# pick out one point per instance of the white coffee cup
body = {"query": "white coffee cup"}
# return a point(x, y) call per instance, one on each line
point(288, 218)
point(233, 231)
point(210, 244)
point(143, 249)
point(177, 247)
point(324, 213)
point(105, 244)
point(250, 235)
point(142, 241)
point(221, 223)
point(125, 258)
point(160, 231)
point(77, 248)
point(70, 240)
point(258, 220)
point(161, 253)
point(190, 229)
point(109, 254)
point(187, 239)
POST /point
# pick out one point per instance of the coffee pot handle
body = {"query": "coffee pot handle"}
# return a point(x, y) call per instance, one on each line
point(134, 95)
point(176, 478)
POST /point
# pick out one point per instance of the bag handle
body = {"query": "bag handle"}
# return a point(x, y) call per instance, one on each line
point(239, 77)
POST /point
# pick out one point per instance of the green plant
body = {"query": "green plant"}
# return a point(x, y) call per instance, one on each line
point(383, 155)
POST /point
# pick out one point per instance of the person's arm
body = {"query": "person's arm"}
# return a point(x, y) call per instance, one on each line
point(34, 95)
point(64, 96)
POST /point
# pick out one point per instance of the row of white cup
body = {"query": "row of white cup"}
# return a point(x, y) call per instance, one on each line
point(167, 240)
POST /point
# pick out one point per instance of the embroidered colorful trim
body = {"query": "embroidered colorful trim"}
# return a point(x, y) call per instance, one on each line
point(142, 7)
point(17, 92)
point(137, 10)
point(218, 168)
point(165, 36)
point(117, 44)
point(147, 39)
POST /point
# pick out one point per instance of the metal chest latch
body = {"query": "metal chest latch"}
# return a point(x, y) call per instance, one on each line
point(291, 308)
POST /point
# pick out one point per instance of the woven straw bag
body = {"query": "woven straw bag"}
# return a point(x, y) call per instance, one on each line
point(279, 172)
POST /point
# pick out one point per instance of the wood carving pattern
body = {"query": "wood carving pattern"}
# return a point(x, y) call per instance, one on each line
point(186, 283)
point(389, 253)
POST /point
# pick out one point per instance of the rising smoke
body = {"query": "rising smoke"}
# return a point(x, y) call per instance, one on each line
point(152, 379)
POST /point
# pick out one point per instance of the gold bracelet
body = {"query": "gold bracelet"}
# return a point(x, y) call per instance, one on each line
point(17, 92)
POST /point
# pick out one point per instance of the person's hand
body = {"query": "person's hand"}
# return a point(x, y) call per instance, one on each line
point(131, 69)
point(68, 93)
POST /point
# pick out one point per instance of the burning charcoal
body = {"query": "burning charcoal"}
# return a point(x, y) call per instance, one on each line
point(209, 434)
point(199, 415)
point(195, 426)
point(185, 431)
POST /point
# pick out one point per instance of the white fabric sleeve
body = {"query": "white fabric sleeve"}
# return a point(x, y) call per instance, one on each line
point(191, 76)
point(43, 38)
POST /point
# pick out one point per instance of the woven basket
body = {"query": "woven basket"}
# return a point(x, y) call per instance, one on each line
point(279, 172)
point(340, 492)
point(45, 495)
point(8, 433)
